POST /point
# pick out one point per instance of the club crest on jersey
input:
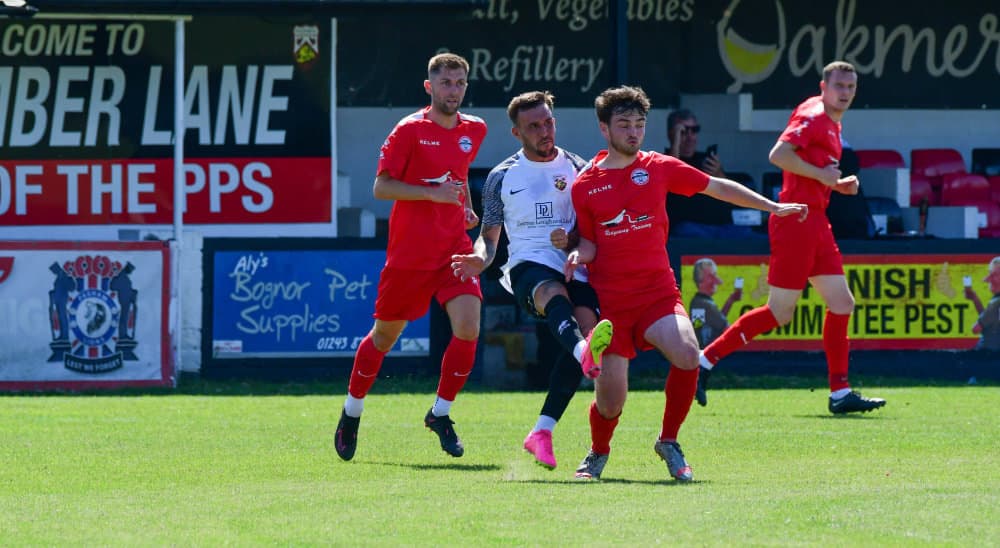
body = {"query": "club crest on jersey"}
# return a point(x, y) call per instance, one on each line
point(305, 44)
point(465, 143)
point(640, 176)
point(698, 317)
point(92, 314)
point(559, 181)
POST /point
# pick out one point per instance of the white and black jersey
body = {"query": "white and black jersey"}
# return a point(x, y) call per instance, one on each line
point(531, 199)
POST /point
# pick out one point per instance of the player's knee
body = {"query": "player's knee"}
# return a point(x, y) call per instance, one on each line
point(843, 306)
point(686, 358)
point(610, 398)
point(383, 341)
point(547, 291)
point(611, 408)
point(783, 315)
point(468, 331)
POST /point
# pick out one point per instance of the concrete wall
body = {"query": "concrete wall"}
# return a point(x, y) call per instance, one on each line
point(744, 135)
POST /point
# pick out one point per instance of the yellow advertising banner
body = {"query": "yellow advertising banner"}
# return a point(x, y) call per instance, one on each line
point(903, 302)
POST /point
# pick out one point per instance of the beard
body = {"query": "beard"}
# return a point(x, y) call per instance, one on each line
point(624, 148)
point(444, 107)
point(547, 153)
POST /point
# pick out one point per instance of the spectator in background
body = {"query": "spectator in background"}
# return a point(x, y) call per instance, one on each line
point(423, 167)
point(682, 134)
point(700, 216)
point(988, 324)
point(709, 321)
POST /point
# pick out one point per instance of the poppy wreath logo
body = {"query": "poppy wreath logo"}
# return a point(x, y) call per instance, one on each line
point(92, 314)
point(750, 60)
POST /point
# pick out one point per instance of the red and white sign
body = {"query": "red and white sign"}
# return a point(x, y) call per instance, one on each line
point(216, 191)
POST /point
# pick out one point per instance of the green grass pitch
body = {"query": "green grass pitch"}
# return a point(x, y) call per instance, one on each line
point(243, 464)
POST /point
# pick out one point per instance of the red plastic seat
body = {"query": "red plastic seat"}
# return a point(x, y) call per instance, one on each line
point(876, 158)
point(994, 187)
point(920, 188)
point(936, 162)
point(964, 188)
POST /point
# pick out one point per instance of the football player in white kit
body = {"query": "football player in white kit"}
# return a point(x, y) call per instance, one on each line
point(528, 195)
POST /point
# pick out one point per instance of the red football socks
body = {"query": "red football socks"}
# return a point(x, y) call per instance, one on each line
point(367, 362)
point(837, 347)
point(601, 430)
point(753, 323)
point(680, 388)
point(455, 367)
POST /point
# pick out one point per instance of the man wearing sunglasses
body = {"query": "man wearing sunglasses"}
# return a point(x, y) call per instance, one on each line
point(682, 132)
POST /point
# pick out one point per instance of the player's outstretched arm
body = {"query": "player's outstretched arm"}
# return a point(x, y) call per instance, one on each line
point(737, 194)
point(483, 253)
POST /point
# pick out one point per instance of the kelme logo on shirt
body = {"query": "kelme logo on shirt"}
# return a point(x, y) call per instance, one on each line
point(640, 176)
point(465, 143)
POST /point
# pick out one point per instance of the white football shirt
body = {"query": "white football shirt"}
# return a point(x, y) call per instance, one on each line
point(531, 199)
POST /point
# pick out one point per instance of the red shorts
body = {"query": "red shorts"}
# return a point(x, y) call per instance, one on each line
point(802, 250)
point(630, 323)
point(406, 294)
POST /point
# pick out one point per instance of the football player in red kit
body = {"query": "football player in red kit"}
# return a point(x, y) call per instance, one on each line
point(620, 202)
point(808, 153)
point(424, 167)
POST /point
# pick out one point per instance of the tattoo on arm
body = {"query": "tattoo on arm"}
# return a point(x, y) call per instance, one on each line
point(491, 251)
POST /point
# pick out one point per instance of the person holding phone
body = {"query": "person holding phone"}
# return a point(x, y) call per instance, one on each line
point(708, 319)
point(682, 133)
point(987, 326)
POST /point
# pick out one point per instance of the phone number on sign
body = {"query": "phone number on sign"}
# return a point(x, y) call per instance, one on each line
point(338, 343)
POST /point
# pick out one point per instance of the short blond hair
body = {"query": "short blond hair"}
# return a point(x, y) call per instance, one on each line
point(842, 66)
point(443, 61)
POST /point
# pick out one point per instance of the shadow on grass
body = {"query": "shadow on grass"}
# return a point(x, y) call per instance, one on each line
point(846, 417)
point(573, 481)
point(452, 466)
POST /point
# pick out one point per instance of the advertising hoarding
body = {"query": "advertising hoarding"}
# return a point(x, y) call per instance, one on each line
point(78, 315)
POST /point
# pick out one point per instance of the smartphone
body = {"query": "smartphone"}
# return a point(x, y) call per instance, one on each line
point(738, 283)
point(967, 281)
point(712, 150)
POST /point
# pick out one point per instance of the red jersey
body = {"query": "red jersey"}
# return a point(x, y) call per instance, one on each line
point(624, 212)
point(817, 138)
point(423, 235)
